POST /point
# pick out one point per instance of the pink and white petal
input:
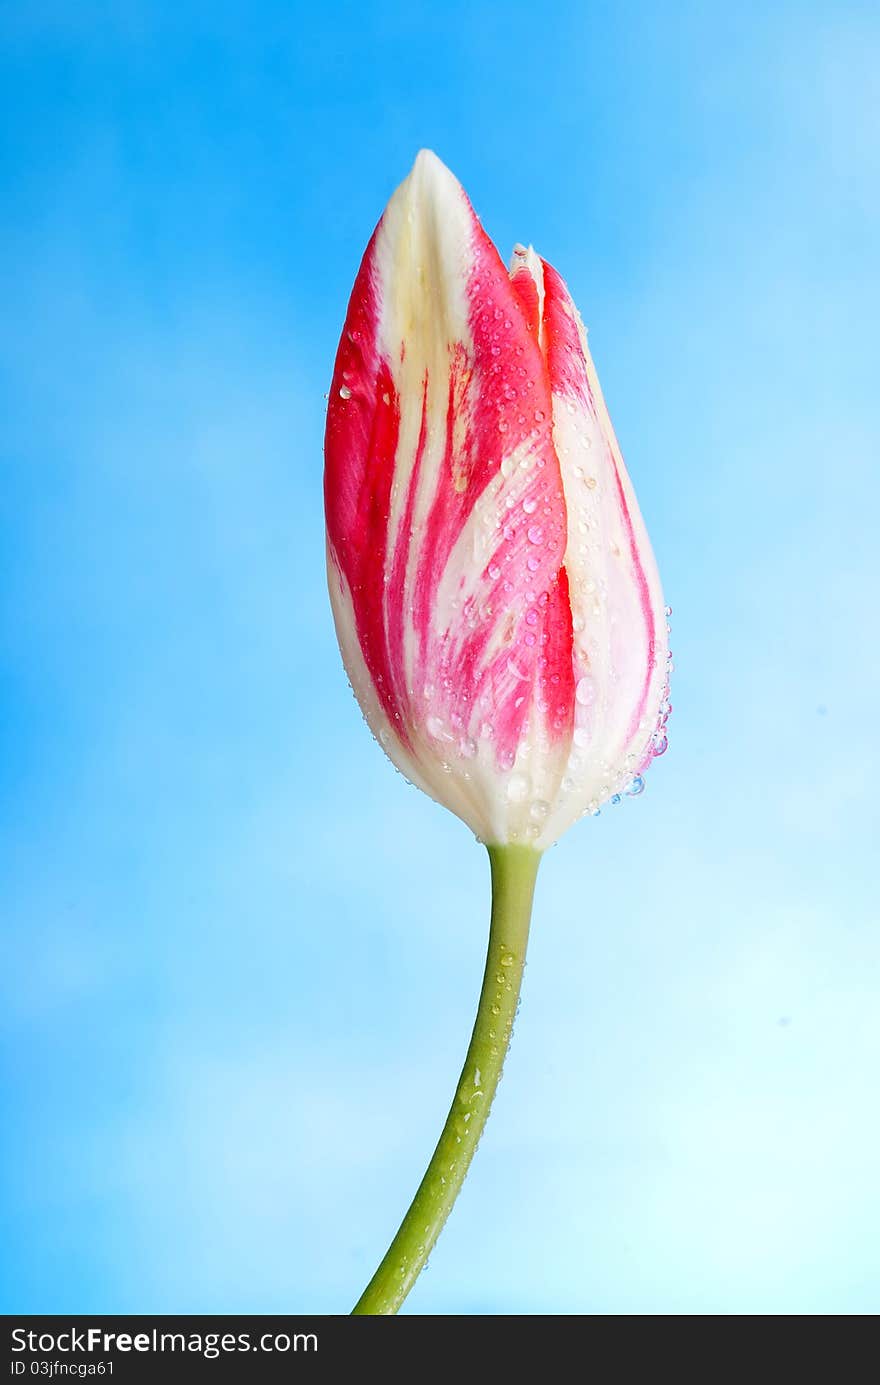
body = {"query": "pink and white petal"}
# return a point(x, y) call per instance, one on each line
point(620, 640)
point(446, 514)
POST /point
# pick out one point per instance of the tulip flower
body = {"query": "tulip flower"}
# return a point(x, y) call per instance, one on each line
point(495, 596)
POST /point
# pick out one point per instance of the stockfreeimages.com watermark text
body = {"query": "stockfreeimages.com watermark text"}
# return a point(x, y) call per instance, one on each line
point(97, 1341)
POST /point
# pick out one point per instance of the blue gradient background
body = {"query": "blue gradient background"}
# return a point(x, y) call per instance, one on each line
point(240, 955)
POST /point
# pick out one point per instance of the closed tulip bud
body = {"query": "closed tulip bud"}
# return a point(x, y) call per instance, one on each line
point(495, 596)
point(494, 592)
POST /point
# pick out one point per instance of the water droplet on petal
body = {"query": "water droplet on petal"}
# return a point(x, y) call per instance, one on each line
point(637, 786)
point(344, 392)
point(518, 787)
point(584, 692)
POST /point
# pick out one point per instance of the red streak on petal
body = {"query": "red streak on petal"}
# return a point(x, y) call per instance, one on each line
point(527, 292)
point(562, 343)
point(350, 420)
point(363, 428)
point(557, 674)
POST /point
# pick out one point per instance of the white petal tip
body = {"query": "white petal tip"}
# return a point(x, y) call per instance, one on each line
point(524, 257)
point(428, 166)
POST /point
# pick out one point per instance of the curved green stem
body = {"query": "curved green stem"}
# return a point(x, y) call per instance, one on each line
point(514, 869)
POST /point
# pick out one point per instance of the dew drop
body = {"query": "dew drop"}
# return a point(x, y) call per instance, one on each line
point(518, 787)
point(344, 392)
point(636, 787)
point(535, 534)
point(584, 692)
